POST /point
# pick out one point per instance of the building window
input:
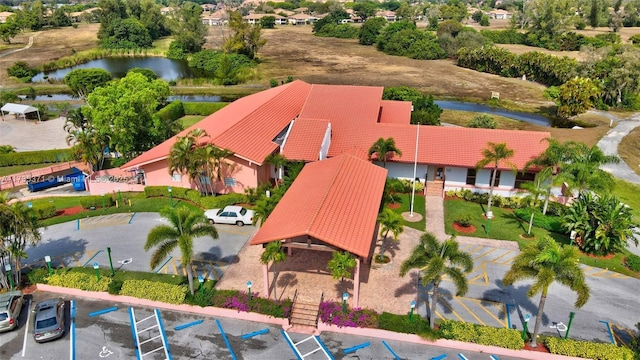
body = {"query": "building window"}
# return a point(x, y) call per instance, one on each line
point(176, 177)
point(471, 176)
point(524, 178)
point(229, 182)
point(497, 182)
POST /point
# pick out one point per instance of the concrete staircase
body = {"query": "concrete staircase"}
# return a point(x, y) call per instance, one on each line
point(304, 313)
point(435, 188)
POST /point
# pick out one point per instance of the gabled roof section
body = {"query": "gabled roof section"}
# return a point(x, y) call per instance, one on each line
point(259, 110)
point(352, 104)
point(341, 201)
point(305, 139)
point(395, 112)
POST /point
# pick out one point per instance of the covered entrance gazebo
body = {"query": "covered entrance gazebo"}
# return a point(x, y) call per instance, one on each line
point(332, 205)
point(19, 109)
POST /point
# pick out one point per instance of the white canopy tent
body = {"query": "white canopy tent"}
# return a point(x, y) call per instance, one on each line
point(19, 109)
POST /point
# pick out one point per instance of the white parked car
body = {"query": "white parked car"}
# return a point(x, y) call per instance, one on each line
point(230, 215)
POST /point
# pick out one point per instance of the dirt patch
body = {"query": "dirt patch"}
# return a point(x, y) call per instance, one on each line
point(70, 211)
point(606, 257)
point(540, 348)
point(464, 229)
point(393, 206)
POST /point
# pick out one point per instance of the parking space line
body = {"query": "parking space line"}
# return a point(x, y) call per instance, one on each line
point(226, 340)
point(485, 254)
point(26, 328)
point(459, 301)
point(466, 247)
point(445, 304)
point(480, 303)
point(509, 252)
point(618, 337)
point(508, 261)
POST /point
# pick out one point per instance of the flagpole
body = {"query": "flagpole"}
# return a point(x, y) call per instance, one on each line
point(415, 166)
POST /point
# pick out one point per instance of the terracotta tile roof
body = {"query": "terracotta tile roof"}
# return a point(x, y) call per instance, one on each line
point(341, 201)
point(305, 139)
point(395, 112)
point(277, 106)
point(353, 104)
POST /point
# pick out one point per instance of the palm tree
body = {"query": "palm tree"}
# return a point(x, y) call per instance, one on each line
point(383, 148)
point(186, 156)
point(537, 190)
point(436, 259)
point(545, 263)
point(186, 225)
point(341, 265)
point(278, 161)
point(550, 161)
point(495, 154)
point(216, 165)
point(390, 222)
point(273, 253)
point(584, 172)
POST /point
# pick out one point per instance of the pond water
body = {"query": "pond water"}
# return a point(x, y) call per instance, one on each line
point(467, 106)
point(166, 69)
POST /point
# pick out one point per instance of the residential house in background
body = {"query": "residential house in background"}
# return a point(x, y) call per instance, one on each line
point(4, 15)
point(499, 14)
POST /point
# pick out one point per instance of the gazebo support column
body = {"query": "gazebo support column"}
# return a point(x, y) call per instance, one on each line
point(356, 284)
point(265, 275)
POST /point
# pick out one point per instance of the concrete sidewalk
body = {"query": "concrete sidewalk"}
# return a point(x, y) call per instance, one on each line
point(435, 225)
point(609, 145)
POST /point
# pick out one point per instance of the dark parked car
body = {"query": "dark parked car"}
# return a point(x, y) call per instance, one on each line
point(49, 320)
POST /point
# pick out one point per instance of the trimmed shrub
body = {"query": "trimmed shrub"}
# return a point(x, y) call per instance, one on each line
point(547, 222)
point(115, 286)
point(401, 324)
point(202, 299)
point(155, 291)
point(331, 313)
point(97, 201)
point(38, 276)
point(633, 262)
point(207, 202)
point(44, 211)
point(202, 108)
point(504, 36)
point(587, 350)
point(171, 112)
point(483, 335)
point(79, 280)
point(483, 121)
point(215, 202)
point(464, 220)
point(36, 157)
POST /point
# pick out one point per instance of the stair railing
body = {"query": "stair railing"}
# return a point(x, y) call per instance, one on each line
point(293, 301)
point(318, 314)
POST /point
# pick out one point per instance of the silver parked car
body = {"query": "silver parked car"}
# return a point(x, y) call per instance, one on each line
point(10, 307)
point(49, 320)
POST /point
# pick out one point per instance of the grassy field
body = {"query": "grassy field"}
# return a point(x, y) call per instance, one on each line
point(506, 226)
point(405, 207)
point(629, 150)
point(10, 170)
point(189, 120)
point(630, 195)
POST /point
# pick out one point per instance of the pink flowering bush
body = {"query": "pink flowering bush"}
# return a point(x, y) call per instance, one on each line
point(331, 313)
point(239, 300)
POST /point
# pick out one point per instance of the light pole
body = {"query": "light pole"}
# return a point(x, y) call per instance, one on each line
point(47, 259)
point(249, 285)
point(102, 195)
point(571, 315)
point(110, 262)
point(170, 195)
point(201, 280)
point(96, 266)
point(572, 237)
point(526, 327)
point(413, 306)
point(7, 267)
point(345, 296)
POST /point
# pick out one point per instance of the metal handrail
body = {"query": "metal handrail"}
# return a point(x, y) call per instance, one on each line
point(295, 296)
point(318, 315)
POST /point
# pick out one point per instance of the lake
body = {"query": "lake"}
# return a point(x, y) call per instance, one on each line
point(166, 69)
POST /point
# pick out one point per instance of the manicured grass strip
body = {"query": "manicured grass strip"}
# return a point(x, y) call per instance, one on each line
point(405, 206)
point(628, 193)
point(189, 120)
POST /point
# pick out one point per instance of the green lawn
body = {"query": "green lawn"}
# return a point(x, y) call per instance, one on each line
point(139, 203)
point(10, 170)
point(405, 206)
point(189, 120)
point(629, 194)
point(506, 226)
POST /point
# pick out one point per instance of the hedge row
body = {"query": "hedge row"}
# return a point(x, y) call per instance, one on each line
point(88, 202)
point(78, 280)
point(402, 324)
point(36, 157)
point(171, 112)
point(483, 335)
point(587, 350)
point(44, 211)
point(569, 41)
point(206, 202)
point(156, 291)
point(548, 222)
point(513, 202)
point(202, 108)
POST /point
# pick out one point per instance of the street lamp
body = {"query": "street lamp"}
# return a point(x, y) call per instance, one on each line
point(47, 259)
point(201, 280)
point(96, 266)
point(413, 306)
point(345, 296)
point(7, 267)
point(170, 195)
point(249, 285)
point(110, 262)
point(526, 327)
point(572, 236)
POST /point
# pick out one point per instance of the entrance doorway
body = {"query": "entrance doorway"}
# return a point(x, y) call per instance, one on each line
point(439, 174)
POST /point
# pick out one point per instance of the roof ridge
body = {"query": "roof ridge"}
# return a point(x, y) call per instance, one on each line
point(341, 159)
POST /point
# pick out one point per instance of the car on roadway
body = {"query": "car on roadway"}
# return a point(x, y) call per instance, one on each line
point(10, 307)
point(231, 214)
point(49, 320)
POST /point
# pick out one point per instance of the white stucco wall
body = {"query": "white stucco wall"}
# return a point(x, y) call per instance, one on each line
point(326, 142)
point(404, 171)
point(455, 176)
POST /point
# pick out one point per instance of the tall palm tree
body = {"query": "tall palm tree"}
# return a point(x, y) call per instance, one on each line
point(390, 222)
point(436, 259)
point(545, 262)
point(583, 171)
point(273, 253)
point(537, 190)
point(550, 162)
point(341, 265)
point(186, 156)
point(495, 154)
point(278, 161)
point(185, 225)
point(383, 149)
point(216, 164)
